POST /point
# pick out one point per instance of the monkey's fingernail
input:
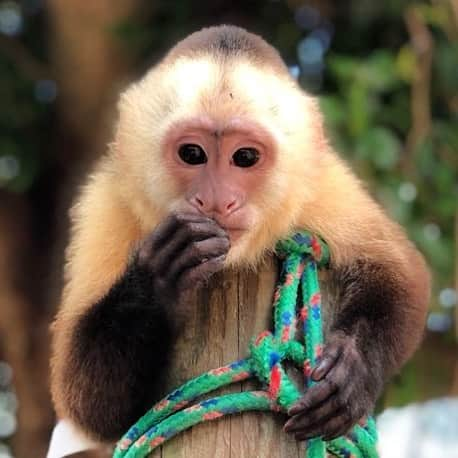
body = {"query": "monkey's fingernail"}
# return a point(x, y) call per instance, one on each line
point(288, 426)
point(295, 409)
point(322, 369)
point(316, 375)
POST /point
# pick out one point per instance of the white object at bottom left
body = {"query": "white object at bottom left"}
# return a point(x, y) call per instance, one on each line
point(66, 440)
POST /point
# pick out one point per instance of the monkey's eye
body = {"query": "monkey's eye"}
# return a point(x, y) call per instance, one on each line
point(192, 154)
point(245, 157)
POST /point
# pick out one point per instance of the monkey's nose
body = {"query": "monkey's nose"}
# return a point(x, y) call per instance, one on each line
point(211, 207)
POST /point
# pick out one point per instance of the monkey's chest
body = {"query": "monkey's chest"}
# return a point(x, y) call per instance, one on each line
point(220, 325)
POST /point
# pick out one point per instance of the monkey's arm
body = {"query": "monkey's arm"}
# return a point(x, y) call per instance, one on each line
point(379, 290)
point(377, 326)
point(117, 355)
point(114, 332)
point(89, 365)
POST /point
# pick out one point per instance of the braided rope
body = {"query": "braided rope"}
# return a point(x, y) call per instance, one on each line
point(302, 254)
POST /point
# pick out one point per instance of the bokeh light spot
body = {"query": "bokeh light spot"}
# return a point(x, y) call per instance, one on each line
point(448, 297)
point(310, 51)
point(323, 35)
point(7, 424)
point(8, 401)
point(407, 192)
point(432, 231)
point(438, 322)
point(9, 167)
point(5, 451)
point(45, 91)
point(11, 21)
point(294, 71)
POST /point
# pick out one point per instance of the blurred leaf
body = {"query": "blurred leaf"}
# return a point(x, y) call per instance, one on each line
point(437, 14)
point(426, 161)
point(389, 198)
point(380, 146)
point(447, 133)
point(394, 112)
point(436, 250)
point(333, 110)
point(406, 63)
point(378, 72)
point(343, 67)
point(446, 66)
point(359, 109)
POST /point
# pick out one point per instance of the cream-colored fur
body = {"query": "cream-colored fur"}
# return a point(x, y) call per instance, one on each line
point(131, 190)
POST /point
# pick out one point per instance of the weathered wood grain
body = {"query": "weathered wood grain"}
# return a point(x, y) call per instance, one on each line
point(235, 307)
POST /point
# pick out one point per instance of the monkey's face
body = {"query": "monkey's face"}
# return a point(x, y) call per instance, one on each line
point(232, 142)
point(220, 168)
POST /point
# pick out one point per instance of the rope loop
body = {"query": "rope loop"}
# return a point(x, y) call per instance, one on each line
point(267, 355)
point(304, 244)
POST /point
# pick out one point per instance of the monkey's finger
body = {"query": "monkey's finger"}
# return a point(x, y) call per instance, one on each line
point(340, 429)
point(341, 426)
point(304, 421)
point(184, 218)
point(330, 357)
point(171, 224)
point(197, 252)
point(314, 396)
point(201, 273)
point(184, 237)
point(161, 233)
point(166, 228)
point(332, 427)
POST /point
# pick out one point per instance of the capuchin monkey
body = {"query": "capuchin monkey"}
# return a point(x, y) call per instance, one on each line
point(217, 155)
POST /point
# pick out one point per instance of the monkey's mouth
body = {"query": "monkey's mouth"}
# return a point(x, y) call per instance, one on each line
point(234, 232)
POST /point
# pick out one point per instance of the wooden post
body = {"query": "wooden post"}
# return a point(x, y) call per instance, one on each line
point(235, 307)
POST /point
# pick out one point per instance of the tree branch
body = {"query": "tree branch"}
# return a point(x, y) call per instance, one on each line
point(423, 47)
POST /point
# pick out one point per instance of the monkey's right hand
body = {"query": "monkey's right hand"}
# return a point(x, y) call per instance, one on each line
point(182, 253)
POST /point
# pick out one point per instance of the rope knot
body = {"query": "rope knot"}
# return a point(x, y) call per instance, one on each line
point(304, 244)
point(267, 354)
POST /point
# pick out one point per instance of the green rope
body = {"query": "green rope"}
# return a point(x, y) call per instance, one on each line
point(302, 254)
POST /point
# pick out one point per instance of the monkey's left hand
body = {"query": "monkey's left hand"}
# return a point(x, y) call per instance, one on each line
point(346, 390)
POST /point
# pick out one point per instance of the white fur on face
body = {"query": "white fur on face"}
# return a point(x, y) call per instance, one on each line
point(273, 97)
point(204, 87)
point(191, 78)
